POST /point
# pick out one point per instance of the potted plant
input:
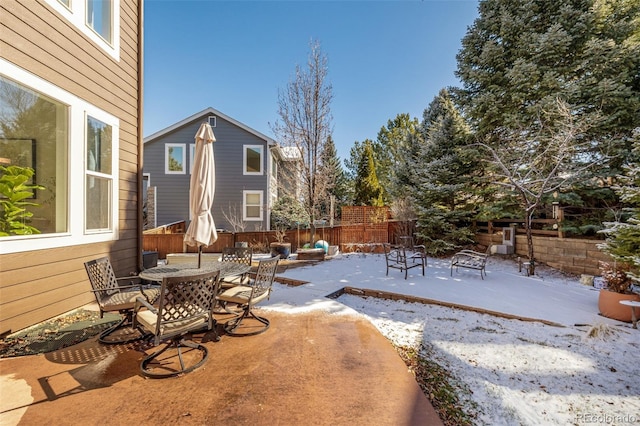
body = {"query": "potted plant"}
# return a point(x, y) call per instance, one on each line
point(618, 285)
point(280, 247)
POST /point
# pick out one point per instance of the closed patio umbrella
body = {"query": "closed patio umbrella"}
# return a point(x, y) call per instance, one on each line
point(202, 229)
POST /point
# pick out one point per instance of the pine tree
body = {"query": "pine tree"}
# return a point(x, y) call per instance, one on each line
point(368, 191)
point(338, 186)
point(390, 149)
point(623, 236)
point(443, 177)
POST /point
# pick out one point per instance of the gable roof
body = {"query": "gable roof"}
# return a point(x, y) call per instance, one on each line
point(204, 113)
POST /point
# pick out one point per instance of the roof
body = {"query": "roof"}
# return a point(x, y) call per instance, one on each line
point(204, 113)
point(288, 153)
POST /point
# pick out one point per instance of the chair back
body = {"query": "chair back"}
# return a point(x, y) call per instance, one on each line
point(102, 278)
point(186, 303)
point(264, 277)
point(237, 255)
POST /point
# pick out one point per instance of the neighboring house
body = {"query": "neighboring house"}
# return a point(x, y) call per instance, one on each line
point(246, 162)
point(70, 108)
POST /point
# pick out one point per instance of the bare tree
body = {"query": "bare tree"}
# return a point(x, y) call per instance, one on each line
point(305, 123)
point(234, 218)
point(542, 159)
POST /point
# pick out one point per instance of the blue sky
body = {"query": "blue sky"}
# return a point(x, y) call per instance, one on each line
point(384, 57)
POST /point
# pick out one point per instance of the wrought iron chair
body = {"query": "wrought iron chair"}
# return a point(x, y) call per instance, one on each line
point(184, 306)
point(113, 297)
point(247, 296)
point(240, 255)
point(400, 258)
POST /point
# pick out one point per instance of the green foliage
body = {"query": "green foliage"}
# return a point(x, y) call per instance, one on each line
point(338, 184)
point(623, 237)
point(443, 177)
point(390, 150)
point(519, 56)
point(288, 213)
point(15, 190)
point(368, 191)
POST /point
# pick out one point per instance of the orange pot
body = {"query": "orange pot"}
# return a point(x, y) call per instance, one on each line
point(610, 307)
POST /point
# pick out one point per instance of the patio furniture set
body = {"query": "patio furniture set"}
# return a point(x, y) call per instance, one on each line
point(168, 303)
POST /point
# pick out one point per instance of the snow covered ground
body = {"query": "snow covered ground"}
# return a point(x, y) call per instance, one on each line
point(586, 370)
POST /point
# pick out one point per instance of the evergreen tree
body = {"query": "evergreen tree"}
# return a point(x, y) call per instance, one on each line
point(390, 149)
point(520, 56)
point(443, 177)
point(338, 186)
point(368, 191)
point(623, 237)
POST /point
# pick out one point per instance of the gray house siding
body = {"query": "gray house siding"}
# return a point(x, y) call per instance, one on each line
point(172, 190)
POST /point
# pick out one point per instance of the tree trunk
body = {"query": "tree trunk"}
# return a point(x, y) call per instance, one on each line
point(527, 225)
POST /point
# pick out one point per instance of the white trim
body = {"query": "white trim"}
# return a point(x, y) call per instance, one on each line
point(244, 206)
point(77, 108)
point(112, 177)
point(192, 156)
point(76, 15)
point(167, 146)
point(245, 148)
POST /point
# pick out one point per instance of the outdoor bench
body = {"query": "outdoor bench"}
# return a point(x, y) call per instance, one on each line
point(470, 259)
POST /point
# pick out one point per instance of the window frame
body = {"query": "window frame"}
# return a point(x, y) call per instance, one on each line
point(110, 177)
point(245, 205)
point(167, 146)
point(192, 156)
point(245, 149)
point(74, 199)
point(76, 14)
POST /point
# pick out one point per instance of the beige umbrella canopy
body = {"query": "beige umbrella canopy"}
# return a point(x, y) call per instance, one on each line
point(202, 229)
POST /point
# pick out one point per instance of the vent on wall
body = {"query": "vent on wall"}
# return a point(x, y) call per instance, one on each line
point(212, 120)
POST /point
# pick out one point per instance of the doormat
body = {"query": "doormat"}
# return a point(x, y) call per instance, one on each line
point(57, 333)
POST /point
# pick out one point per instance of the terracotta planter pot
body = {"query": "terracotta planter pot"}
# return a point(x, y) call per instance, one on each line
point(610, 307)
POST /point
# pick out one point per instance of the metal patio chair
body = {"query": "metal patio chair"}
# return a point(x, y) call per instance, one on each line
point(184, 306)
point(401, 258)
point(246, 296)
point(114, 297)
point(240, 255)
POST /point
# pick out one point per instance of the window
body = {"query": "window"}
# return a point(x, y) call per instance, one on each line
point(34, 135)
point(174, 154)
point(72, 147)
point(252, 160)
point(212, 120)
point(99, 20)
point(99, 175)
point(252, 205)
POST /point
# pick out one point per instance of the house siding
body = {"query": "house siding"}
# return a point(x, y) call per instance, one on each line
point(172, 190)
point(39, 284)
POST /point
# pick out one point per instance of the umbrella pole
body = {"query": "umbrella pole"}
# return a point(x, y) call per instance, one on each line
point(199, 255)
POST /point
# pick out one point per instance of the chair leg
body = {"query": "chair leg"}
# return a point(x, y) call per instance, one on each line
point(178, 343)
point(231, 325)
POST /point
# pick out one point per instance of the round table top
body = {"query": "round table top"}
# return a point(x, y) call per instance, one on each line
point(227, 269)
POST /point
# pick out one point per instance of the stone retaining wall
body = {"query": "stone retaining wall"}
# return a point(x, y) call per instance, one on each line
point(576, 256)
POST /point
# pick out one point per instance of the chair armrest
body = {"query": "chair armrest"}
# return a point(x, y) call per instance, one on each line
point(144, 303)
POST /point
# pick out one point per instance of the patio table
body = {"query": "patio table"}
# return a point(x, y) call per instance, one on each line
point(227, 269)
